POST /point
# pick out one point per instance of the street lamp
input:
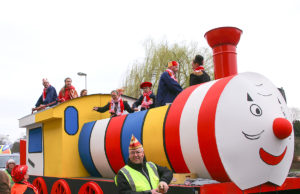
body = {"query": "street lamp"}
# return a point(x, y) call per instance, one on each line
point(85, 75)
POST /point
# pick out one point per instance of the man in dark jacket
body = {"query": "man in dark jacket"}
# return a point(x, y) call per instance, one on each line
point(168, 87)
point(198, 75)
point(48, 96)
point(116, 106)
point(141, 177)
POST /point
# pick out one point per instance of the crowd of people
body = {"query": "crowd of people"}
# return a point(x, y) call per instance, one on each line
point(14, 179)
point(49, 95)
point(168, 89)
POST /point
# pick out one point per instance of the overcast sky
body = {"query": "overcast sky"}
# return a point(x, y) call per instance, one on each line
point(57, 39)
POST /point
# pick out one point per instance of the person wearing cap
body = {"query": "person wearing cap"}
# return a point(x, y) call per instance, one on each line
point(116, 106)
point(198, 75)
point(20, 176)
point(67, 92)
point(48, 96)
point(141, 177)
point(147, 99)
point(168, 87)
point(10, 164)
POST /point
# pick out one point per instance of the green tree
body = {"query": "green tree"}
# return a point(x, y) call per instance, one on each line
point(157, 55)
point(296, 125)
point(16, 147)
point(295, 113)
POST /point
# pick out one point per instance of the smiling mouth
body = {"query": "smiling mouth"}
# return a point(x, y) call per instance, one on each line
point(269, 158)
point(253, 137)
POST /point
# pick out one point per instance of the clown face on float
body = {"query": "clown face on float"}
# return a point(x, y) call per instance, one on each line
point(254, 135)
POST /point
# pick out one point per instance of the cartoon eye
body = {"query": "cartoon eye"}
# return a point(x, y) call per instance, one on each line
point(255, 110)
point(253, 137)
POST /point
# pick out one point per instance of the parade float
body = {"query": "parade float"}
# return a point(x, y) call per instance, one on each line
point(235, 130)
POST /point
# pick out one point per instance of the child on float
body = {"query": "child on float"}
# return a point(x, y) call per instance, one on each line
point(147, 99)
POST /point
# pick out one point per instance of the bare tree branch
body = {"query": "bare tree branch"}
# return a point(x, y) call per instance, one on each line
point(155, 63)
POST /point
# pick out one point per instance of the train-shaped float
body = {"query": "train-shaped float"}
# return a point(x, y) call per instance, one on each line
point(236, 130)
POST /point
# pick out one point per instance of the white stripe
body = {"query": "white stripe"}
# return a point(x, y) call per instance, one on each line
point(189, 133)
point(97, 148)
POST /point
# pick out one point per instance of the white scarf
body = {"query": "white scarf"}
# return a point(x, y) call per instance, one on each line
point(120, 107)
point(172, 74)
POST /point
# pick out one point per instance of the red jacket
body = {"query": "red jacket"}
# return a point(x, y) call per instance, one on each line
point(67, 93)
point(20, 188)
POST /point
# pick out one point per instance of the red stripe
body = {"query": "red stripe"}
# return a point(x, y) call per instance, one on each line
point(171, 132)
point(22, 152)
point(206, 131)
point(113, 143)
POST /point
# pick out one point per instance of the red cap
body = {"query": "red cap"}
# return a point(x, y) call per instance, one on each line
point(134, 144)
point(146, 84)
point(172, 63)
point(18, 173)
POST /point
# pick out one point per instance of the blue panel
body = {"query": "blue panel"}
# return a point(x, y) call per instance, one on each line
point(84, 149)
point(35, 140)
point(71, 120)
point(132, 125)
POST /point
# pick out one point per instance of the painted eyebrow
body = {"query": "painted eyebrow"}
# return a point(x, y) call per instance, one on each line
point(259, 84)
point(264, 94)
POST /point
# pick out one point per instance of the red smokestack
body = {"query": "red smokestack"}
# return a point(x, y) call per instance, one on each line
point(223, 41)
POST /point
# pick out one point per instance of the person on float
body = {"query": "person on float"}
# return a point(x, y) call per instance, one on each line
point(168, 87)
point(68, 92)
point(147, 99)
point(20, 176)
point(141, 177)
point(116, 106)
point(4, 183)
point(48, 96)
point(83, 92)
point(198, 75)
point(10, 164)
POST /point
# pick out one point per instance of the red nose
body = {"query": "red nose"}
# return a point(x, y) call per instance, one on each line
point(282, 128)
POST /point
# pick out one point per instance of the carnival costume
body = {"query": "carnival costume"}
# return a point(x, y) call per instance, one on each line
point(147, 100)
point(21, 186)
point(49, 95)
point(116, 108)
point(168, 87)
point(140, 178)
point(67, 93)
point(199, 76)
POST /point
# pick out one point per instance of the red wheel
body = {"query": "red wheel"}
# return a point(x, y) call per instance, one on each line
point(40, 184)
point(90, 188)
point(60, 187)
